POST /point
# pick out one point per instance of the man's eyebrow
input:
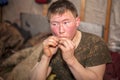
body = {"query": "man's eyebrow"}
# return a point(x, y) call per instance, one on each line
point(66, 19)
point(54, 21)
point(62, 20)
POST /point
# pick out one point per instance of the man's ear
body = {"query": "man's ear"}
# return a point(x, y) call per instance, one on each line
point(77, 21)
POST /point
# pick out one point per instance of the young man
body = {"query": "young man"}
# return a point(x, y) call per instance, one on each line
point(70, 54)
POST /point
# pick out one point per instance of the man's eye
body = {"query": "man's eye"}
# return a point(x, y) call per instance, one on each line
point(54, 24)
point(66, 22)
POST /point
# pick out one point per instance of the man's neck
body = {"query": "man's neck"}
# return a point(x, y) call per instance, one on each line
point(77, 38)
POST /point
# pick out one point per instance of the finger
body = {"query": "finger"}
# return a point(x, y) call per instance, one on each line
point(67, 43)
point(54, 38)
point(51, 42)
point(63, 45)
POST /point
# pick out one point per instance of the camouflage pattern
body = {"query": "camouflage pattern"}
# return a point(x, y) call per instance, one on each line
point(91, 51)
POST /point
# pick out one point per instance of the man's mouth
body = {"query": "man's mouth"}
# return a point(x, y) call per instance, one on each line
point(62, 36)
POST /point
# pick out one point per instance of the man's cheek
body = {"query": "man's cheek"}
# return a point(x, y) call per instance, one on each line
point(54, 31)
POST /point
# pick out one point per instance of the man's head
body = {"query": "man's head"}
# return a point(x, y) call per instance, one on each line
point(63, 19)
point(60, 7)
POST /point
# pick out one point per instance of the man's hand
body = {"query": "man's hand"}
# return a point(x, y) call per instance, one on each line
point(67, 46)
point(50, 46)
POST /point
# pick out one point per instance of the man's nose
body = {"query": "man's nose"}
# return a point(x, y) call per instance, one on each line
point(61, 29)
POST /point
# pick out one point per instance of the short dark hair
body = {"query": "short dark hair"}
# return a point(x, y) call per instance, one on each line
point(60, 6)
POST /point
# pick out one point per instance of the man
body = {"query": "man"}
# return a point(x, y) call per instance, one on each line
point(70, 54)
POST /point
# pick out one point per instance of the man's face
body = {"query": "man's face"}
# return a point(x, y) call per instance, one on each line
point(65, 25)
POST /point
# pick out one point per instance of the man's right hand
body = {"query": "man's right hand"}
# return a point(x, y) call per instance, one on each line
point(50, 46)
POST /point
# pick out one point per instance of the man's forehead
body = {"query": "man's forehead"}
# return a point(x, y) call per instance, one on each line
point(65, 15)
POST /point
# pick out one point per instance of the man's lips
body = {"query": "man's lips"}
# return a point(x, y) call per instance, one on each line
point(62, 37)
